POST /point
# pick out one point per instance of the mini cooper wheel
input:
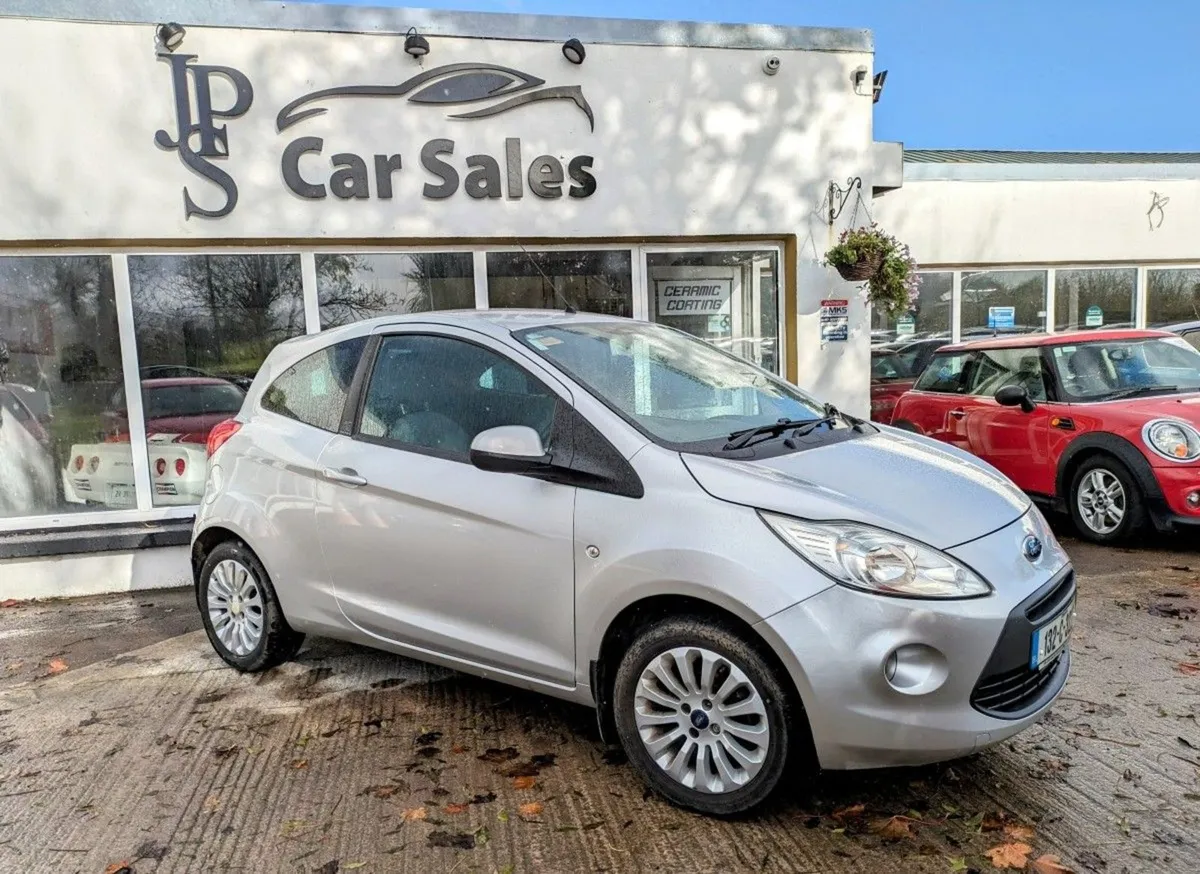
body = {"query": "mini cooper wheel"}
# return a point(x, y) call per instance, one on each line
point(1106, 503)
point(241, 613)
point(702, 716)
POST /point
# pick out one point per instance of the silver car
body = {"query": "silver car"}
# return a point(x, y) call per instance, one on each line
point(612, 512)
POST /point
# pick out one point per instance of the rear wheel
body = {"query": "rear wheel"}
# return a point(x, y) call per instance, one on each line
point(1106, 503)
point(703, 717)
point(241, 612)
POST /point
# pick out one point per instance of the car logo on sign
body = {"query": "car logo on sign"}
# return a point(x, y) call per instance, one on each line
point(1032, 548)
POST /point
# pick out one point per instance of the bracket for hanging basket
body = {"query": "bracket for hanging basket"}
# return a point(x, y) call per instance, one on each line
point(837, 197)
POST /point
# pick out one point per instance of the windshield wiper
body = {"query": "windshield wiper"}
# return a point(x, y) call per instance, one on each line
point(832, 412)
point(739, 439)
point(1139, 390)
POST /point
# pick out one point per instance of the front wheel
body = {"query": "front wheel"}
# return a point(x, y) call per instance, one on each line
point(241, 612)
point(1106, 502)
point(703, 717)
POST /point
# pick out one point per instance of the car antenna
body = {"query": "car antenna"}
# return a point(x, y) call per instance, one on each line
point(568, 307)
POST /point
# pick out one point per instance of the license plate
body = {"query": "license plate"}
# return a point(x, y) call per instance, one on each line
point(1051, 639)
point(121, 495)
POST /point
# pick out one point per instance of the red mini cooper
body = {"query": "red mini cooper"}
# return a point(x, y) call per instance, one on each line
point(1102, 424)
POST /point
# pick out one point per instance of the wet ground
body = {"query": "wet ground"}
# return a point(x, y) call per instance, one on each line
point(124, 740)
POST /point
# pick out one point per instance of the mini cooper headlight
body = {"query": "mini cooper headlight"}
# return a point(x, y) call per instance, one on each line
point(877, 561)
point(1172, 439)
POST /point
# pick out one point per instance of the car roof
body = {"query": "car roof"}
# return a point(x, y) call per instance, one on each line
point(1181, 326)
point(1065, 338)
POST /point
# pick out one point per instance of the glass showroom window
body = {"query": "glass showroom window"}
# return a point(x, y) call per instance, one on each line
point(1094, 298)
point(930, 317)
point(1003, 302)
point(1172, 296)
point(204, 324)
point(599, 281)
point(60, 361)
point(354, 287)
point(730, 299)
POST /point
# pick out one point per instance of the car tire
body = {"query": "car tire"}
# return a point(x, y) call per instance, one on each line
point(243, 619)
point(1101, 489)
point(643, 722)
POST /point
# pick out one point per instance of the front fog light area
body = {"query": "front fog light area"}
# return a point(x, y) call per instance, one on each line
point(915, 669)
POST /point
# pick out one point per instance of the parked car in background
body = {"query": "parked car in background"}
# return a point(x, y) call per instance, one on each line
point(894, 369)
point(1189, 331)
point(179, 414)
point(175, 371)
point(617, 513)
point(1102, 424)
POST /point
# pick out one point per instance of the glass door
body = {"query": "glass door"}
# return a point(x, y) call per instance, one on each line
point(729, 297)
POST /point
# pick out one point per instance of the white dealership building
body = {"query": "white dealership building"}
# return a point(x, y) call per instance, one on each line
point(186, 184)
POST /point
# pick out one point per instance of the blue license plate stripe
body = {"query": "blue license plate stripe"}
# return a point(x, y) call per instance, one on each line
point(1033, 649)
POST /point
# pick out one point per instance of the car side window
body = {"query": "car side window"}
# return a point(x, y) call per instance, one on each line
point(437, 393)
point(945, 374)
point(1193, 337)
point(997, 368)
point(315, 388)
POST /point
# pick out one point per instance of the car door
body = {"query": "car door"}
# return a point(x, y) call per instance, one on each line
point(1011, 440)
point(938, 406)
point(425, 550)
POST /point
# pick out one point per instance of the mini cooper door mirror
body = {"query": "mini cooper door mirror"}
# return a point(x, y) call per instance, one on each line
point(509, 449)
point(1015, 396)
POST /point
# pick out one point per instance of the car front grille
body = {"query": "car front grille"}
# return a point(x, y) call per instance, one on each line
point(1008, 687)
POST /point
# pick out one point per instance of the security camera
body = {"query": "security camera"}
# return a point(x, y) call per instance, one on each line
point(771, 65)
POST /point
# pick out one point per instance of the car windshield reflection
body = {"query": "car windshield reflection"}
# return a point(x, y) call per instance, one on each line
point(1108, 370)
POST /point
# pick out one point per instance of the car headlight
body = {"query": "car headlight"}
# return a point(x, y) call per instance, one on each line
point(1172, 439)
point(877, 561)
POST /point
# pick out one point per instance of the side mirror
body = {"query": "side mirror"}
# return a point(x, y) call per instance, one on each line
point(509, 449)
point(1015, 396)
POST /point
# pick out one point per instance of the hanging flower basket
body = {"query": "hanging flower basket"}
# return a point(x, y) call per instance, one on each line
point(881, 261)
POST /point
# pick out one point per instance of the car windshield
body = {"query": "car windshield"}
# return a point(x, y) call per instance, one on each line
point(888, 365)
point(678, 390)
point(199, 399)
point(1111, 369)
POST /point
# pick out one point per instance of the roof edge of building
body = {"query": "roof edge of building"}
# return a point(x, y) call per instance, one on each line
point(303, 16)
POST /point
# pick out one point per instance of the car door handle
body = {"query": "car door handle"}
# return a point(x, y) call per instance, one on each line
point(958, 414)
point(345, 476)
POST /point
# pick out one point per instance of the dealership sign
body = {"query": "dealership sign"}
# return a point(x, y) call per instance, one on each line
point(489, 88)
point(685, 297)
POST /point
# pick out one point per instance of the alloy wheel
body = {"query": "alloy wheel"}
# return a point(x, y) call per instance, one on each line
point(235, 607)
point(1101, 501)
point(701, 720)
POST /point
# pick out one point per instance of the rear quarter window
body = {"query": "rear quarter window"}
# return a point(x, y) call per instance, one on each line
point(314, 389)
point(944, 374)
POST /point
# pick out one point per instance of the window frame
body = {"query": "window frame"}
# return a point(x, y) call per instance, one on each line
point(352, 418)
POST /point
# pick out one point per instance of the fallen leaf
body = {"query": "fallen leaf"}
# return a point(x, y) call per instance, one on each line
point(412, 813)
point(57, 666)
point(533, 808)
point(502, 816)
point(524, 782)
point(1018, 832)
point(385, 791)
point(291, 826)
point(9, 602)
point(1182, 667)
point(959, 864)
point(496, 756)
point(15, 666)
point(894, 828)
point(1009, 855)
point(455, 840)
point(482, 836)
point(1048, 864)
point(212, 803)
point(118, 867)
point(852, 812)
point(458, 749)
point(299, 763)
point(456, 808)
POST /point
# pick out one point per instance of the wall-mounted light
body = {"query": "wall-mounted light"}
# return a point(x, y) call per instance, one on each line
point(877, 85)
point(170, 35)
point(859, 77)
point(415, 44)
point(573, 51)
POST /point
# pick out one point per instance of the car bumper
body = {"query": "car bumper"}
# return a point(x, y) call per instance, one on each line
point(963, 683)
point(1176, 483)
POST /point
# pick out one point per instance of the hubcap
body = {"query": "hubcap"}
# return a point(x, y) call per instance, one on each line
point(702, 720)
point(1101, 501)
point(235, 607)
